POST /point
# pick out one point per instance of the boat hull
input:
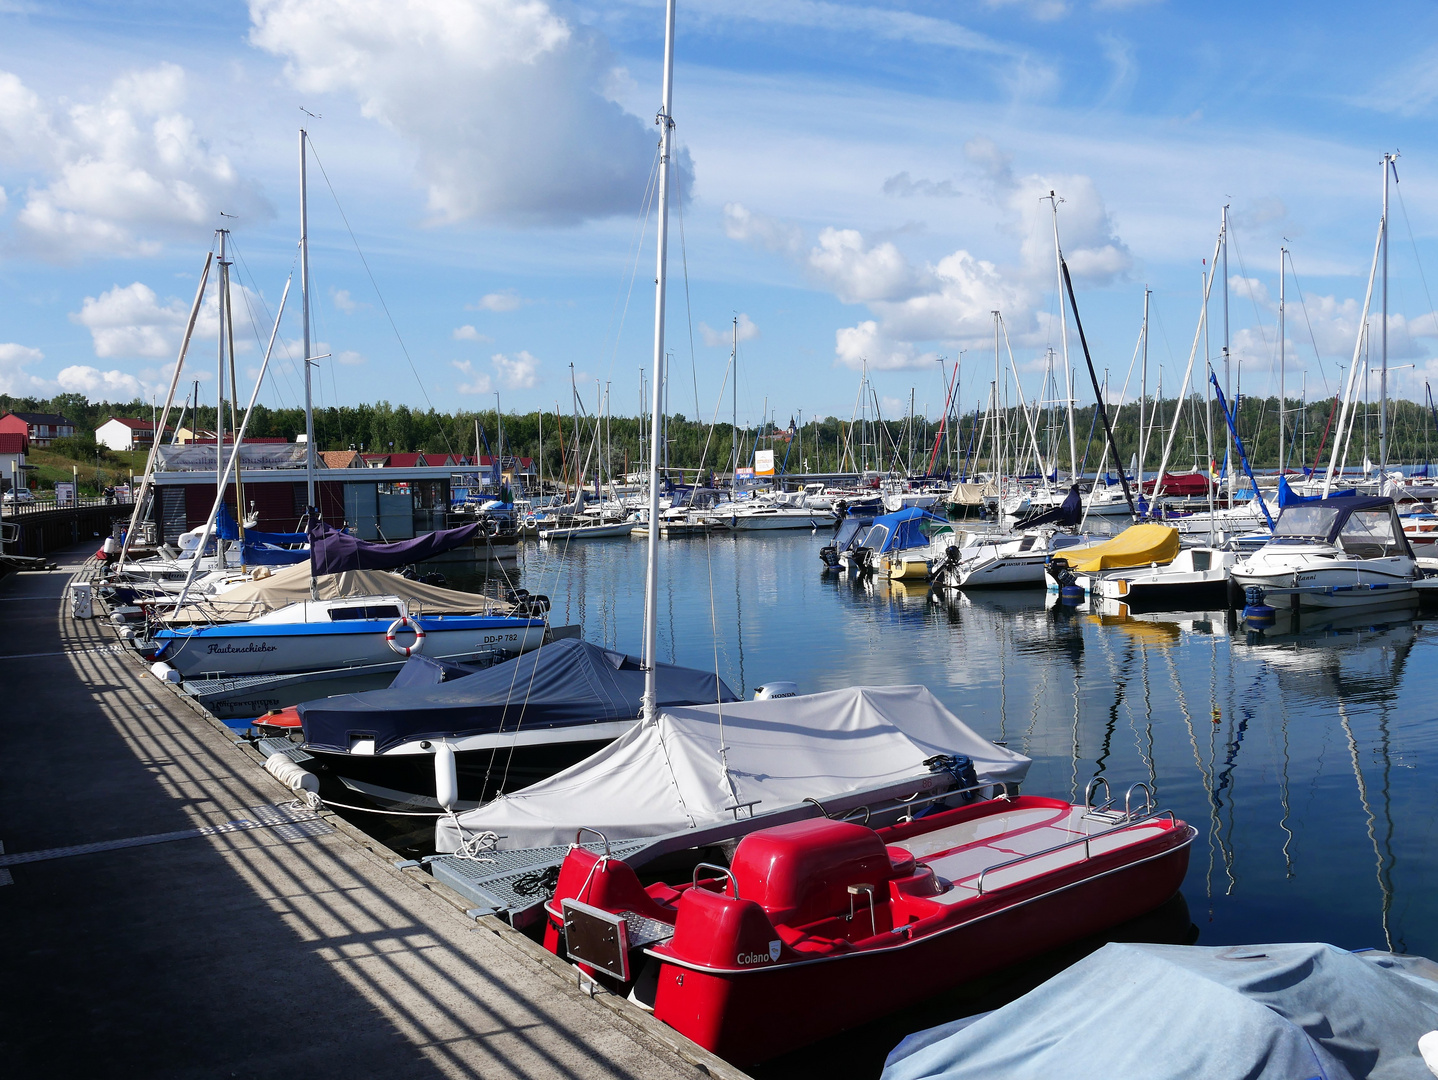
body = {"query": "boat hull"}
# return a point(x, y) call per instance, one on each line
point(1002, 572)
point(751, 1016)
point(770, 522)
point(1344, 585)
point(276, 648)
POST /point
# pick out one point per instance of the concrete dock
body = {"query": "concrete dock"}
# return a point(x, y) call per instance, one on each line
point(264, 949)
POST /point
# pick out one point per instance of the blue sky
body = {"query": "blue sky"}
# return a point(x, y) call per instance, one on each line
point(862, 183)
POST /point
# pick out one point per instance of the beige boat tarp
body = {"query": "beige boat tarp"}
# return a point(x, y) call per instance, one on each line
point(1138, 545)
point(972, 494)
point(291, 585)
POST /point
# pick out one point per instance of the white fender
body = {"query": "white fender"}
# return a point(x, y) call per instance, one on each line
point(446, 776)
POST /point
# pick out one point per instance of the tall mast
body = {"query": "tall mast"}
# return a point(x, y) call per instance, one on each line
point(223, 294)
point(1388, 160)
point(998, 435)
point(1143, 395)
point(1064, 334)
point(1282, 254)
point(305, 321)
point(651, 581)
point(734, 419)
point(1227, 379)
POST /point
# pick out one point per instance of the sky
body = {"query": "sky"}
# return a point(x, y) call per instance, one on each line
point(858, 185)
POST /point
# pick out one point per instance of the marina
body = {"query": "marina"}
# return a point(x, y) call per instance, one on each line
point(1022, 719)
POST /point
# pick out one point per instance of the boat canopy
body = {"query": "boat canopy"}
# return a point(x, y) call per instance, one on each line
point(907, 528)
point(1365, 526)
point(973, 494)
point(1138, 545)
point(259, 596)
point(1288, 497)
point(562, 684)
point(335, 552)
point(1265, 1012)
point(1179, 485)
point(694, 767)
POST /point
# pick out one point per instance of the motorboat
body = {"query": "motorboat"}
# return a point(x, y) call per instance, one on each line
point(892, 541)
point(1000, 562)
point(1196, 579)
point(1346, 551)
point(508, 726)
point(819, 925)
point(1145, 544)
point(762, 517)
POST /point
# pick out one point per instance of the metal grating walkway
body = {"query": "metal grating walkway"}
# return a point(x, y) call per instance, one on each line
point(514, 883)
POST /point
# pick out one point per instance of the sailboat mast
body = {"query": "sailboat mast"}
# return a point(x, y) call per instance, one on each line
point(1064, 336)
point(1227, 374)
point(1388, 160)
point(221, 294)
point(305, 322)
point(651, 577)
point(734, 418)
point(1143, 394)
point(1282, 254)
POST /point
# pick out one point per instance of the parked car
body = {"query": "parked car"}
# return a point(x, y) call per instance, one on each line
point(23, 495)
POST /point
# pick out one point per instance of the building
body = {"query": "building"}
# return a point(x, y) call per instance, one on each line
point(39, 429)
point(12, 456)
point(125, 433)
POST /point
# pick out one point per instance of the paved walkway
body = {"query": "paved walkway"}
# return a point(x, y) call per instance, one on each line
point(251, 952)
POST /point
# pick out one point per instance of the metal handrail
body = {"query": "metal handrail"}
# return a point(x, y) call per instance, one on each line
point(977, 788)
point(1147, 800)
point(584, 829)
point(694, 882)
point(1084, 840)
point(1088, 803)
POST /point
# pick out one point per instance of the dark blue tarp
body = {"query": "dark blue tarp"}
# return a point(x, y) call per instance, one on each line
point(334, 552)
point(1176, 1012)
point(257, 555)
point(1288, 497)
point(1069, 512)
point(904, 529)
point(421, 670)
point(564, 683)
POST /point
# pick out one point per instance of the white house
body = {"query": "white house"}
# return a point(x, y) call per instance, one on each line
point(124, 433)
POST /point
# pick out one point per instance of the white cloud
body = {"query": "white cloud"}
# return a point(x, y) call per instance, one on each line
point(131, 321)
point(857, 272)
point(856, 345)
point(1043, 10)
point(118, 175)
point(14, 379)
point(349, 357)
point(479, 383)
point(741, 223)
point(903, 186)
point(100, 385)
point(518, 372)
point(469, 333)
point(504, 100)
point(746, 329)
point(342, 300)
point(508, 300)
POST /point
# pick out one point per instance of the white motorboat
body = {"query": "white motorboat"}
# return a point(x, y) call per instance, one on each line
point(764, 517)
point(1195, 580)
point(1338, 552)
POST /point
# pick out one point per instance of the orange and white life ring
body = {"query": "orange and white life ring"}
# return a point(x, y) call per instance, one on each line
point(398, 625)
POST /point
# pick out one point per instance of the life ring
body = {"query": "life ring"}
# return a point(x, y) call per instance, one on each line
point(398, 625)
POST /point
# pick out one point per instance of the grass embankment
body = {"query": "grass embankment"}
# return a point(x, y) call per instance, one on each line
point(112, 467)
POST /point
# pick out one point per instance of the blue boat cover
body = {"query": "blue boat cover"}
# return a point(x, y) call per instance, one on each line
point(564, 683)
point(1288, 497)
point(335, 552)
point(905, 528)
point(1175, 1012)
point(421, 670)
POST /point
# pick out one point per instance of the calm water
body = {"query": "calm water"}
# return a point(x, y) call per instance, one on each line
point(1305, 760)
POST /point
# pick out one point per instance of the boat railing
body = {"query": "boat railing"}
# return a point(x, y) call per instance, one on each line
point(724, 870)
point(1147, 800)
point(586, 829)
point(1085, 841)
point(1088, 794)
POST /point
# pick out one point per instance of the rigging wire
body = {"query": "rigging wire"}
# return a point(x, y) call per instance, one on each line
point(375, 284)
point(688, 307)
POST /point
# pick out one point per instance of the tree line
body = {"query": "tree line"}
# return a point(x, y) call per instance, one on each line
point(965, 444)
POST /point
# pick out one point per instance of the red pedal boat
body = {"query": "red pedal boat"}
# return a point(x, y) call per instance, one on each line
point(820, 925)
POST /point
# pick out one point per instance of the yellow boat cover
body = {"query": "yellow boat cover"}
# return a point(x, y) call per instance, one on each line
point(1138, 545)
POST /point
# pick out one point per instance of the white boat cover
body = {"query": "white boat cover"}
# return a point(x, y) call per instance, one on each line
point(669, 775)
point(291, 585)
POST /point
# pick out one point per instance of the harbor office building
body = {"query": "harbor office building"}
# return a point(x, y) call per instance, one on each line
point(379, 497)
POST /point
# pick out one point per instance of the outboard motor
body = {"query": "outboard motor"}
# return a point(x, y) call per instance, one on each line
point(943, 570)
point(961, 768)
point(778, 689)
point(830, 554)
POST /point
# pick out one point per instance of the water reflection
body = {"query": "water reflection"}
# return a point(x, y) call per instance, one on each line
point(1296, 750)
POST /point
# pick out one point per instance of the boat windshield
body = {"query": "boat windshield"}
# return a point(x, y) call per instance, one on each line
point(875, 537)
point(1369, 534)
point(1305, 522)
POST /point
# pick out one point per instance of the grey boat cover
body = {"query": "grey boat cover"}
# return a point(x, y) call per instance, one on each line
point(694, 767)
point(1175, 1012)
point(561, 684)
